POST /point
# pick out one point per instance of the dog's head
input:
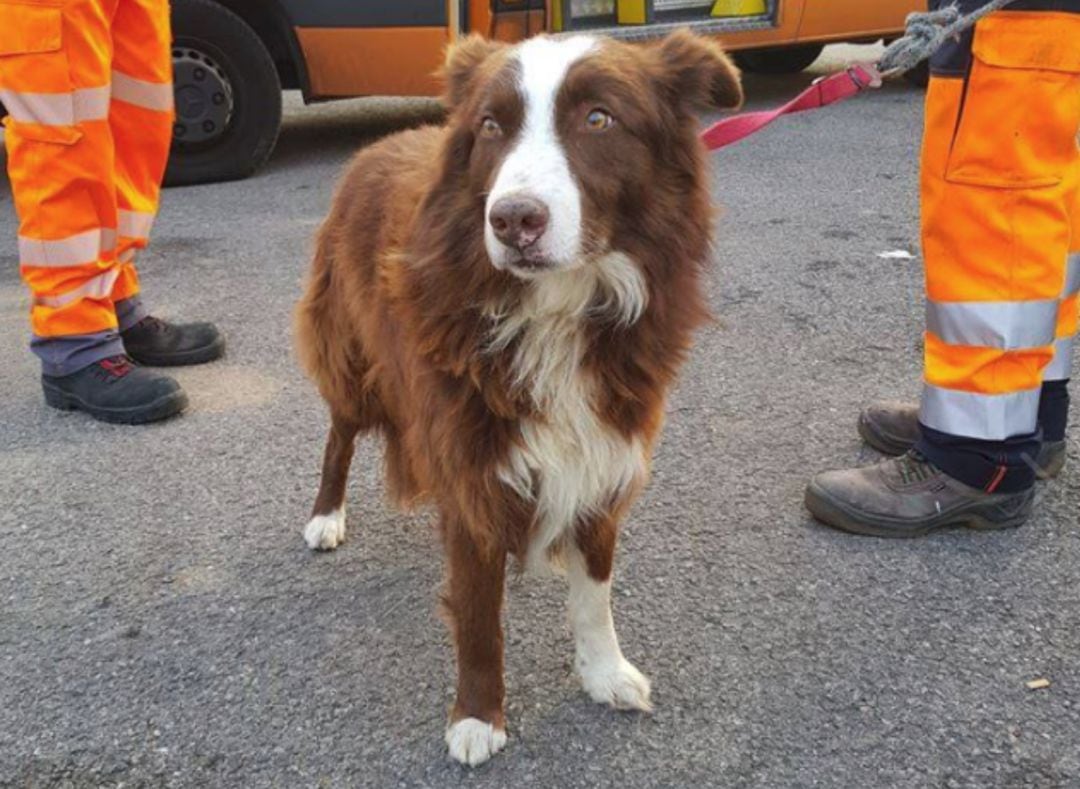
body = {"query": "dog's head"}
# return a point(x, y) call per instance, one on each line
point(564, 139)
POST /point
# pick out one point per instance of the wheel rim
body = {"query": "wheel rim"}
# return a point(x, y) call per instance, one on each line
point(204, 98)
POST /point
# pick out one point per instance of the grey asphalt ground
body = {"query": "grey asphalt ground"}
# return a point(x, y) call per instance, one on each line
point(163, 624)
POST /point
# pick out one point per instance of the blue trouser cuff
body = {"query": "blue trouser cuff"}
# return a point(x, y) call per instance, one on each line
point(1005, 466)
point(993, 466)
point(68, 354)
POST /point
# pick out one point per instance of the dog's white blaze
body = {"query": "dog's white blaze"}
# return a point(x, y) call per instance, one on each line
point(569, 461)
point(606, 675)
point(537, 166)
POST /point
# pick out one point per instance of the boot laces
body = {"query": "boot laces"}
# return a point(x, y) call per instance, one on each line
point(914, 467)
point(156, 325)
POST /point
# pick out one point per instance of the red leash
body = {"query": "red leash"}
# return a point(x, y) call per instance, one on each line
point(823, 92)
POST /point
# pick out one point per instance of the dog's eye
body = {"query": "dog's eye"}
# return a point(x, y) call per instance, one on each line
point(598, 120)
point(490, 128)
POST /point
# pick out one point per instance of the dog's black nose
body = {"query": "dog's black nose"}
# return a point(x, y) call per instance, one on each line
point(519, 221)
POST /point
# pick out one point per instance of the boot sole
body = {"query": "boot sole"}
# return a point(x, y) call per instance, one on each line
point(207, 353)
point(156, 411)
point(987, 517)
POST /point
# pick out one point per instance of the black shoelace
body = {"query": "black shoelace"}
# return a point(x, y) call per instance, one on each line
point(151, 323)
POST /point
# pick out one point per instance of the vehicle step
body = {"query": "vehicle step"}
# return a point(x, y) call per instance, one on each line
point(660, 29)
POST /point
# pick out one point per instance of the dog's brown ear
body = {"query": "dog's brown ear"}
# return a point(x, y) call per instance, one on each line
point(699, 71)
point(463, 59)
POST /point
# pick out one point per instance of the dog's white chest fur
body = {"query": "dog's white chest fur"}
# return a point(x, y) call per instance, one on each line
point(569, 461)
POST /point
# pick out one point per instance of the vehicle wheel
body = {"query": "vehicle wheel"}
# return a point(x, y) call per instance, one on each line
point(228, 96)
point(786, 60)
point(920, 75)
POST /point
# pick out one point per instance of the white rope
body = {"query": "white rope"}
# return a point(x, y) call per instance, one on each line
point(926, 32)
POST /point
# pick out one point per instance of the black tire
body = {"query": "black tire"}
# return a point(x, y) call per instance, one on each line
point(786, 60)
point(920, 75)
point(244, 78)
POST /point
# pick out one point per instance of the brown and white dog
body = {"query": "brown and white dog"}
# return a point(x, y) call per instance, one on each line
point(507, 300)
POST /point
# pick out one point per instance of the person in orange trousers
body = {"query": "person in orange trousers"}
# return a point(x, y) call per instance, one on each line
point(1001, 241)
point(88, 92)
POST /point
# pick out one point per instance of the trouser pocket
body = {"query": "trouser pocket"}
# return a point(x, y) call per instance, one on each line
point(1021, 110)
point(36, 87)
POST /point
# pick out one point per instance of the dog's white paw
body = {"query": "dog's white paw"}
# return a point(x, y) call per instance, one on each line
point(472, 741)
point(326, 532)
point(619, 684)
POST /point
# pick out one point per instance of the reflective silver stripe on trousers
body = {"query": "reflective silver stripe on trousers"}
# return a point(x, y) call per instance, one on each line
point(134, 224)
point(57, 109)
point(1007, 325)
point(81, 248)
point(1060, 366)
point(97, 288)
point(1072, 276)
point(148, 95)
point(987, 417)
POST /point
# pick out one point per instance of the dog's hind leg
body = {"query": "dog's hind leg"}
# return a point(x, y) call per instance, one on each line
point(326, 529)
point(607, 676)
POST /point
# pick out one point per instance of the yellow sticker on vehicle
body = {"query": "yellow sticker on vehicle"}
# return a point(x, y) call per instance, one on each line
point(632, 12)
point(738, 8)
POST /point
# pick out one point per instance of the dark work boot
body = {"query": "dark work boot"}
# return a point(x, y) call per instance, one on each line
point(115, 390)
point(157, 343)
point(908, 497)
point(893, 429)
point(890, 428)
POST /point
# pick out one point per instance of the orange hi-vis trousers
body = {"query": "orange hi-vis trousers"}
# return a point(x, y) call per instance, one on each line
point(1001, 215)
point(1068, 321)
point(87, 85)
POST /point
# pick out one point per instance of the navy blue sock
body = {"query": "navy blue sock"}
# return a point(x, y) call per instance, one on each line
point(1054, 409)
point(993, 466)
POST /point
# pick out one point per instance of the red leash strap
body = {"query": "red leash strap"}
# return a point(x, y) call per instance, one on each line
point(823, 92)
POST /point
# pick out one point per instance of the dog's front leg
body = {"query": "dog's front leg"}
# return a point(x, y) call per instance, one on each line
point(474, 596)
point(606, 675)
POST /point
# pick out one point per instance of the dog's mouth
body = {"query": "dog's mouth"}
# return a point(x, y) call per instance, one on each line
point(530, 264)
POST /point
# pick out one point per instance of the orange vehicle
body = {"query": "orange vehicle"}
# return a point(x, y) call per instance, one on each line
point(233, 57)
